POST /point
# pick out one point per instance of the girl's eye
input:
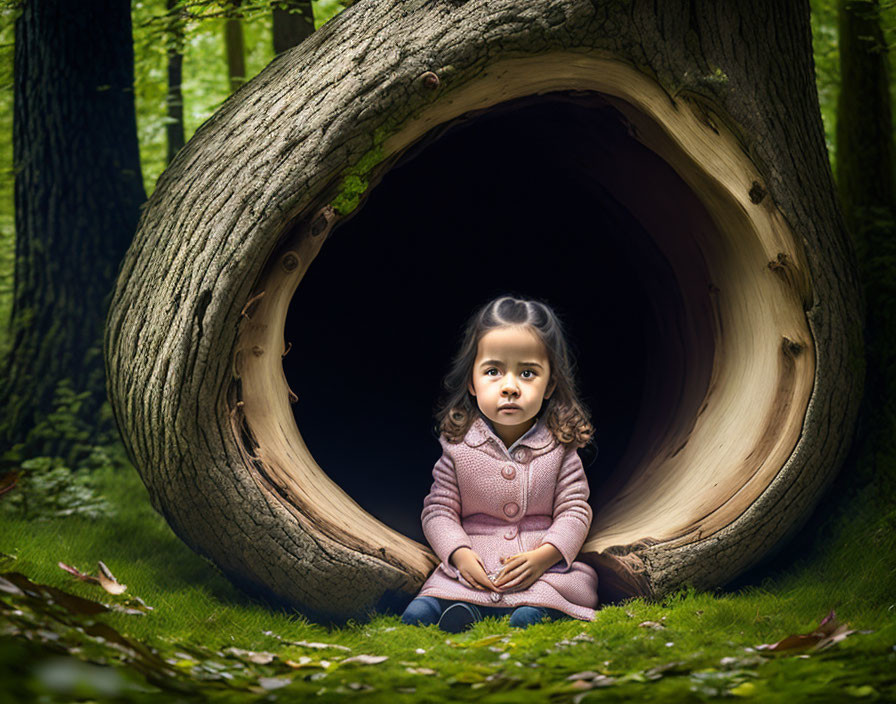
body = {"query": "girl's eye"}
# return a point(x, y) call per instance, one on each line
point(488, 372)
point(529, 371)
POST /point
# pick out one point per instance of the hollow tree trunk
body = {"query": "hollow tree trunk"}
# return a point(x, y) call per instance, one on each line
point(77, 192)
point(770, 332)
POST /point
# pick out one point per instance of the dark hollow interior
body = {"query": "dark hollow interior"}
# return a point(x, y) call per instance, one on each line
point(527, 199)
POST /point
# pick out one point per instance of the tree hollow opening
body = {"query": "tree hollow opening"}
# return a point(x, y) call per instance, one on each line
point(680, 287)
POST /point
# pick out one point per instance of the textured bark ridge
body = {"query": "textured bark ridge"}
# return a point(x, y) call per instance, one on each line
point(768, 337)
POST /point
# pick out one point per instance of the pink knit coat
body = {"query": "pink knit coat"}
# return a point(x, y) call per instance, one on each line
point(499, 502)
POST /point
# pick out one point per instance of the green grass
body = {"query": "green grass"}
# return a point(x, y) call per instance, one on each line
point(703, 652)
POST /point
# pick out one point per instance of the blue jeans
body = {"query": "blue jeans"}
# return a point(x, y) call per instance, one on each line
point(426, 610)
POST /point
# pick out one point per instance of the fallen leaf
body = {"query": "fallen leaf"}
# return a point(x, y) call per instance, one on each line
point(581, 684)
point(9, 587)
point(270, 683)
point(359, 687)
point(827, 633)
point(259, 658)
point(318, 646)
point(651, 624)
point(127, 610)
point(108, 582)
point(77, 573)
point(420, 670)
point(366, 659)
point(74, 604)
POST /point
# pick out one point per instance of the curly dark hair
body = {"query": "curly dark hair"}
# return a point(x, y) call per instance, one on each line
point(565, 414)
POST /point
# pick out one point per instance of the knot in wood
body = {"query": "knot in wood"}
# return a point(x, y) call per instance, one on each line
point(430, 80)
point(779, 262)
point(791, 348)
point(257, 351)
point(290, 261)
point(757, 193)
point(318, 226)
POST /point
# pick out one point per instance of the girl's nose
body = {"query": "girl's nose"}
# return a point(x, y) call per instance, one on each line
point(509, 385)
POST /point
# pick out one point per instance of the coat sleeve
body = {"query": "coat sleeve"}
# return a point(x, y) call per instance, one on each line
point(572, 513)
point(441, 514)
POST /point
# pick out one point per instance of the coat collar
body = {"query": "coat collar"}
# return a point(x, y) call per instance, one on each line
point(536, 437)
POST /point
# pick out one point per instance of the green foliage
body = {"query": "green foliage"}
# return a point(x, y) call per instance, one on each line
point(66, 426)
point(205, 84)
point(51, 486)
point(47, 489)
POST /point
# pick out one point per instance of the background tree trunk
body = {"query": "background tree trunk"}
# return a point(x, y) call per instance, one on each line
point(292, 22)
point(237, 219)
point(865, 176)
point(77, 192)
point(174, 101)
point(234, 47)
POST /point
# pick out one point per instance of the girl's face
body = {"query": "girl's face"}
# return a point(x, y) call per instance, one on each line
point(510, 379)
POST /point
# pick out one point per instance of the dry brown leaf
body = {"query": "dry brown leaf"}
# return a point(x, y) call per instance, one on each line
point(108, 582)
point(77, 573)
point(828, 632)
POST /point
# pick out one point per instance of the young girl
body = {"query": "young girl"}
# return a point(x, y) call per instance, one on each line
point(508, 509)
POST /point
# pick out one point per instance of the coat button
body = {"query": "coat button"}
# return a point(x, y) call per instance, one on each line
point(511, 509)
point(509, 471)
point(511, 534)
point(522, 454)
point(496, 596)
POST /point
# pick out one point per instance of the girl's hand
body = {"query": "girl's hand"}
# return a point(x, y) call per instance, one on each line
point(524, 569)
point(472, 569)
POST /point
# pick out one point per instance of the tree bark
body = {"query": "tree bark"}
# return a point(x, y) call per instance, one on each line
point(174, 129)
point(724, 94)
point(77, 191)
point(293, 21)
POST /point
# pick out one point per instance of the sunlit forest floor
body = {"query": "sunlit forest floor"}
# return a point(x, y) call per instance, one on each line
point(180, 632)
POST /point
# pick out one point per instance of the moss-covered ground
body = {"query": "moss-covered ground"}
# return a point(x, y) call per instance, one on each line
point(204, 640)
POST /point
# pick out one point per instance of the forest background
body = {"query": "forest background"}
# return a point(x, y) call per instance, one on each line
point(206, 83)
